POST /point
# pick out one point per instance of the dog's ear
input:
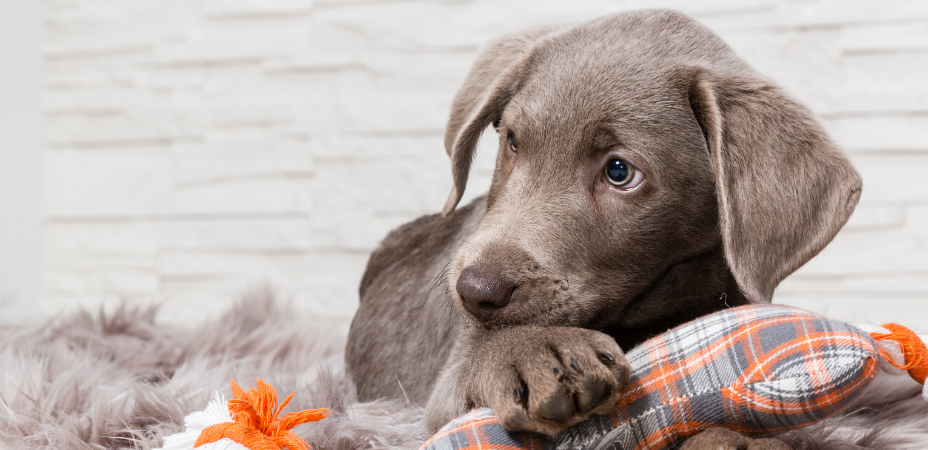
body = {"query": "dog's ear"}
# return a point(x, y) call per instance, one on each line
point(784, 188)
point(495, 77)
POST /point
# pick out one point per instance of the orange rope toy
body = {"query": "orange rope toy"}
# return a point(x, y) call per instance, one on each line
point(901, 349)
point(911, 347)
point(250, 421)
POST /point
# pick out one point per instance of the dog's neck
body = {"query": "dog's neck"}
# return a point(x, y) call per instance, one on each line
point(687, 290)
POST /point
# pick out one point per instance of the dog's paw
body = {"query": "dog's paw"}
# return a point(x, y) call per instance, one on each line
point(725, 439)
point(545, 379)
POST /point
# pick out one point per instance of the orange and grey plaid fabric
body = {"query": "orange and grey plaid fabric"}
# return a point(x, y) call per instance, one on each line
point(755, 369)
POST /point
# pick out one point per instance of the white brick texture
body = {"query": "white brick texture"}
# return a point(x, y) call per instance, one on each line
point(199, 148)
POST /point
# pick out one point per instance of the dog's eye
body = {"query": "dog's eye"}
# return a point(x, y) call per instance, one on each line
point(619, 173)
point(511, 138)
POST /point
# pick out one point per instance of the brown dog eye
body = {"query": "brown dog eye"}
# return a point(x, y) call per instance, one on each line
point(512, 141)
point(619, 173)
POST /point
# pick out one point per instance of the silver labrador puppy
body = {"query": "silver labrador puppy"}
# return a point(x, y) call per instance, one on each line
point(646, 176)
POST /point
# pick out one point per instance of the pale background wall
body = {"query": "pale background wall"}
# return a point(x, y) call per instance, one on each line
point(199, 148)
point(21, 146)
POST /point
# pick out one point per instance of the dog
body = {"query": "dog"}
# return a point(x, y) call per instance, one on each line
point(646, 176)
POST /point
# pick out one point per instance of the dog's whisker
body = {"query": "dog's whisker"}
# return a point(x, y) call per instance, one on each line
point(414, 265)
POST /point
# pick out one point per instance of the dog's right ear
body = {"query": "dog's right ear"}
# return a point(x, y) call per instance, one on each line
point(784, 188)
point(494, 79)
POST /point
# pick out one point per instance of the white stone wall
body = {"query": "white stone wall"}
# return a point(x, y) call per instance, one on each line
point(21, 87)
point(199, 148)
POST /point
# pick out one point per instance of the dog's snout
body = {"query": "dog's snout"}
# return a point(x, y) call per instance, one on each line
point(484, 293)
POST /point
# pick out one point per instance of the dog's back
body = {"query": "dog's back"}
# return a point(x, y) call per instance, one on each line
point(405, 326)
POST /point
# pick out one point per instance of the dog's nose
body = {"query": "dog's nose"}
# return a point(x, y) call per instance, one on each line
point(483, 293)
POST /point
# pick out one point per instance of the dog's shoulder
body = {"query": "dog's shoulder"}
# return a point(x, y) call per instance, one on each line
point(421, 239)
point(404, 327)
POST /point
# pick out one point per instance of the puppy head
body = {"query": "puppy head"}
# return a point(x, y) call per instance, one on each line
point(637, 152)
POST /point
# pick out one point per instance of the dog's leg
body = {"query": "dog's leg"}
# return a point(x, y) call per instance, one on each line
point(725, 439)
point(541, 379)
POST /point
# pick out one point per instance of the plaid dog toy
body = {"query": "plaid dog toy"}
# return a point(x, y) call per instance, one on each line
point(756, 368)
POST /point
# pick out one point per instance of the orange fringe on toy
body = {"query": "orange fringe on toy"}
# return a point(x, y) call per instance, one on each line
point(256, 425)
point(913, 350)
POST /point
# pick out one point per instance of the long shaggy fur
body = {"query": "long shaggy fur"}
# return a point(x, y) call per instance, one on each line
point(121, 380)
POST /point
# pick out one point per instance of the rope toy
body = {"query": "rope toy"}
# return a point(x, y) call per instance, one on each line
point(914, 352)
point(753, 369)
point(250, 421)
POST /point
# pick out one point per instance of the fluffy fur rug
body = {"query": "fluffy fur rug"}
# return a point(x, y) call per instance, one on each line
point(92, 381)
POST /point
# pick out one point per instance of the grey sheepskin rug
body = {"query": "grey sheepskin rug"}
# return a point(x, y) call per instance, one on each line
point(122, 380)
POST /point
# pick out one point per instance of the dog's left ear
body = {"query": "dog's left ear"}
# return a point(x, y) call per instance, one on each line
point(784, 188)
point(496, 76)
